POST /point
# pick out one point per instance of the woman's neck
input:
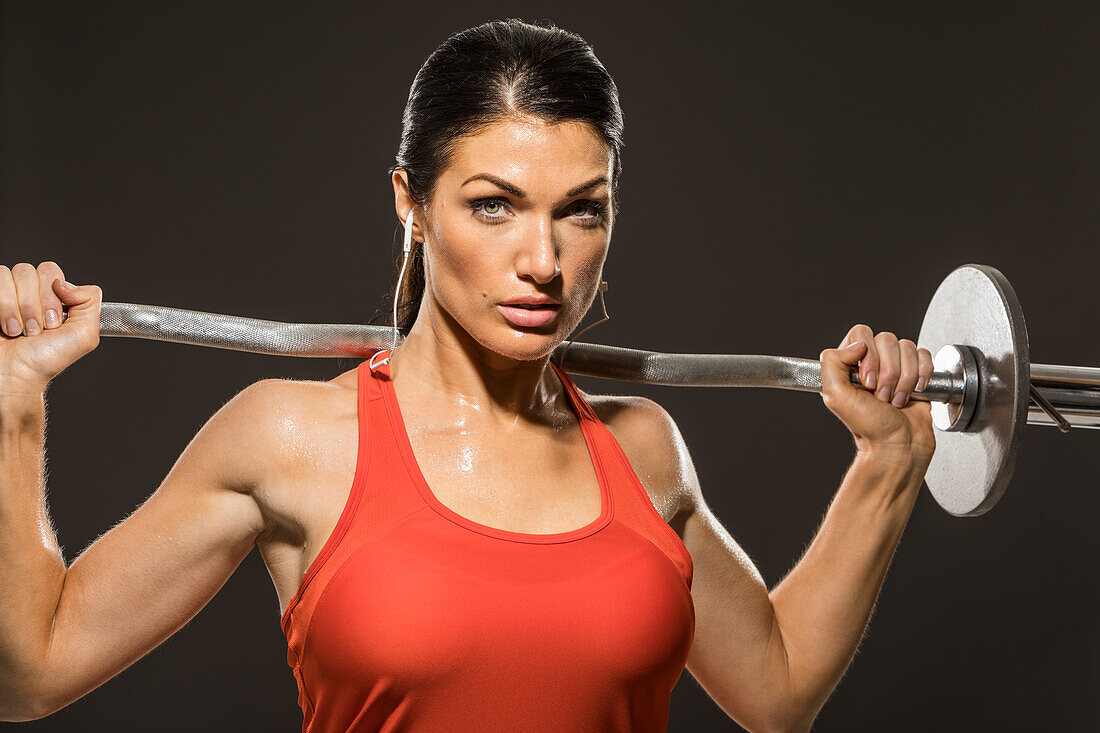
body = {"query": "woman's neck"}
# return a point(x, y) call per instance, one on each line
point(455, 371)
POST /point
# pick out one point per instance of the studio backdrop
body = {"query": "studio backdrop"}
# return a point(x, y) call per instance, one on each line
point(789, 170)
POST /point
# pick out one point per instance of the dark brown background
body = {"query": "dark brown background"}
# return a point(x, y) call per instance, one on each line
point(231, 157)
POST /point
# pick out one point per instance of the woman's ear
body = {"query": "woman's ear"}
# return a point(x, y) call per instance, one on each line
point(403, 203)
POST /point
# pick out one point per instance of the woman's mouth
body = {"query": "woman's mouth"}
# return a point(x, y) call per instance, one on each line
point(529, 316)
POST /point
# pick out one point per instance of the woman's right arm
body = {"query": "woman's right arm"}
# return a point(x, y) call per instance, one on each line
point(66, 630)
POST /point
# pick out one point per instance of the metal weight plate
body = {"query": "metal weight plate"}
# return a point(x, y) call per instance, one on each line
point(976, 306)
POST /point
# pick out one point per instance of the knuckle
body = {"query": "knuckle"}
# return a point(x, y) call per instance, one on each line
point(887, 336)
point(23, 267)
point(48, 266)
point(908, 342)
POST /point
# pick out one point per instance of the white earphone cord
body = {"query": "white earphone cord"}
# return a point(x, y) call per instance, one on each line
point(401, 275)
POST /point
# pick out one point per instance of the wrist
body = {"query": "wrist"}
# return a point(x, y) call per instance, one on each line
point(890, 460)
point(16, 398)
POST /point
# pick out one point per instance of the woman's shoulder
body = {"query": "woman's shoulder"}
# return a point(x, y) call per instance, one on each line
point(275, 425)
point(276, 404)
point(640, 417)
point(283, 434)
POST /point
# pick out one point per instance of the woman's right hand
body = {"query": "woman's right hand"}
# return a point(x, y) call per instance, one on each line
point(38, 339)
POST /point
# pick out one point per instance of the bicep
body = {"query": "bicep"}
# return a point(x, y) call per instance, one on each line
point(141, 581)
point(737, 654)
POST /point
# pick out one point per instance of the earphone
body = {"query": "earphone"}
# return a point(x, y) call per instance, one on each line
point(401, 276)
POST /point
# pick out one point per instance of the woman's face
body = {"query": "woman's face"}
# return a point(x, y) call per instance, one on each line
point(523, 209)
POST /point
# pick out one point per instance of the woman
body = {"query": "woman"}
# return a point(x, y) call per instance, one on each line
point(459, 537)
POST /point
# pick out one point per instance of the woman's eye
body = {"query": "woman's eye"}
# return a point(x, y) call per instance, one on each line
point(581, 209)
point(488, 209)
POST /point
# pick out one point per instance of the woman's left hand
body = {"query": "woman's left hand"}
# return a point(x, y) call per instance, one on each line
point(885, 422)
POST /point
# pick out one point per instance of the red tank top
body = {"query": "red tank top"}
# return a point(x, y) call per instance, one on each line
point(414, 618)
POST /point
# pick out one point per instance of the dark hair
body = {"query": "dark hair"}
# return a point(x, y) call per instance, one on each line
point(480, 76)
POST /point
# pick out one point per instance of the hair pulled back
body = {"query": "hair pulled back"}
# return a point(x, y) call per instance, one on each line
point(480, 76)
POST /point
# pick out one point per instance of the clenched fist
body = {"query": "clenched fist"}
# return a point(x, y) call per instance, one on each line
point(46, 323)
point(884, 421)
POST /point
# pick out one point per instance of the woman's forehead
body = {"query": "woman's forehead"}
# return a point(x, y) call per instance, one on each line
point(531, 153)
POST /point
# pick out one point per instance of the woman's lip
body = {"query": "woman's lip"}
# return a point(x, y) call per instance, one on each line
point(529, 317)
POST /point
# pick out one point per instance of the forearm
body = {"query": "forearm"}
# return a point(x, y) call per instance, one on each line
point(824, 604)
point(32, 566)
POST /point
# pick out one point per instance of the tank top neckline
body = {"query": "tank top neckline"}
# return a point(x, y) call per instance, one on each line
point(380, 366)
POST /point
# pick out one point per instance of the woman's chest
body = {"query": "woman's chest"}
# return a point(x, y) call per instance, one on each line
point(433, 605)
point(521, 481)
point(518, 480)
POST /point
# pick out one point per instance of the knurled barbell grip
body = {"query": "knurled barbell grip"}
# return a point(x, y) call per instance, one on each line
point(241, 333)
point(941, 387)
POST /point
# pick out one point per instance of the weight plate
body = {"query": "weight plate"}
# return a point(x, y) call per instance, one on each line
point(976, 306)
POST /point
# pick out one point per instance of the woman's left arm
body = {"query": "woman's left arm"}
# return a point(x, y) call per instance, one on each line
point(824, 604)
point(770, 660)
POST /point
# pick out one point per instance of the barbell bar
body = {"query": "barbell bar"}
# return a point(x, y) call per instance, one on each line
point(983, 391)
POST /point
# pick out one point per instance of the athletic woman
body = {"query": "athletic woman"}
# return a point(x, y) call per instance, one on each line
point(460, 538)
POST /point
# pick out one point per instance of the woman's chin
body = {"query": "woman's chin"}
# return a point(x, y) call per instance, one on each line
point(525, 345)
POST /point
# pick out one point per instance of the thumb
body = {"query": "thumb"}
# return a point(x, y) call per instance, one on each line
point(836, 363)
point(71, 294)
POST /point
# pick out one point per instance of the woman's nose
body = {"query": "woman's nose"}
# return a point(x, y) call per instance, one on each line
point(538, 257)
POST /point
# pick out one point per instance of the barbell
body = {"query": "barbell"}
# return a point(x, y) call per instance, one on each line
point(983, 391)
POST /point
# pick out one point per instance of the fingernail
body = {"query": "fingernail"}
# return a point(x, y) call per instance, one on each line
point(899, 399)
point(32, 327)
point(51, 319)
point(872, 380)
point(853, 346)
point(11, 327)
point(921, 384)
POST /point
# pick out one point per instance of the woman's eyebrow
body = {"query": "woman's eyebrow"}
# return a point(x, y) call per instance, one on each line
point(514, 190)
point(518, 193)
point(585, 186)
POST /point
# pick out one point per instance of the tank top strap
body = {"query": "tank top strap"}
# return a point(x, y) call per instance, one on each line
point(381, 494)
point(579, 403)
point(634, 508)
